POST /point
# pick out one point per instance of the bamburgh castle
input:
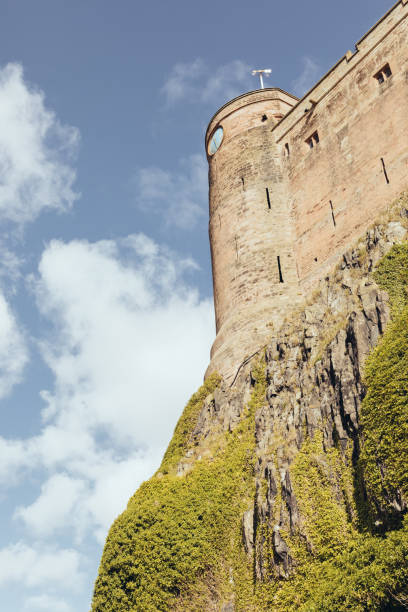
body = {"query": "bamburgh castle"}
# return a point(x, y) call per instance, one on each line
point(293, 184)
point(285, 485)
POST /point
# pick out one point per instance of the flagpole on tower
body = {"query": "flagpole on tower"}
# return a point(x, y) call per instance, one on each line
point(261, 73)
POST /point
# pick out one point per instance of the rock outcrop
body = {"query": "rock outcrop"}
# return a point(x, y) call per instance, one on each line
point(303, 497)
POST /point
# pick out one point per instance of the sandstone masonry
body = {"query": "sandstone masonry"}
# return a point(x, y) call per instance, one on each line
point(295, 182)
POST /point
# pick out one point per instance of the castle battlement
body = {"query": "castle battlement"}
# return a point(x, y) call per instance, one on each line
point(293, 183)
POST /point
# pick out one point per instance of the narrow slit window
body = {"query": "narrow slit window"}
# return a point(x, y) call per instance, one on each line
point(280, 270)
point(268, 199)
point(385, 171)
point(313, 140)
point(332, 213)
point(383, 74)
point(287, 150)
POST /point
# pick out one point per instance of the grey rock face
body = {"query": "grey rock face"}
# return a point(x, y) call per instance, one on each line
point(248, 531)
point(314, 366)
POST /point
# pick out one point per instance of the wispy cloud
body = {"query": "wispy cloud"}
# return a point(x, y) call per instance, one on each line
point(46, 603)
point(197, 82)
point(179, 198)
point(39, 567)
point(308, 77)
point(36, 151)
point(123, 316)
point(13, 349)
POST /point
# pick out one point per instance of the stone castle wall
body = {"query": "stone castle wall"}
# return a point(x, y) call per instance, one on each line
point(320, 199)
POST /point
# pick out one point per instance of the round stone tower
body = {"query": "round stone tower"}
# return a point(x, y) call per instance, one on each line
point(253, 263)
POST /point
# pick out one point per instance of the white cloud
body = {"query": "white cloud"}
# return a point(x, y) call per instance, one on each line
point(124, 317)
point(47, 603)
point(13, 349)
point(307, 78)
point(14, 455)
point(54, 507)
point(10, 265)
point(197, 82)
point(130, 340)
point(179, 198)
point(35, 152)
point(182, 81)
point(34, 567)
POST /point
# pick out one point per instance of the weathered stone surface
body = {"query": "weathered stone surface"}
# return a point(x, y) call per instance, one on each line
point(248, 531)
point(282, 558)
point(283, 213)
point(314, 368)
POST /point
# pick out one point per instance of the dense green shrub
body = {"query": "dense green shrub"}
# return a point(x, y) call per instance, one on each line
point(177, 530)
point(179, 539)
point(384, 414)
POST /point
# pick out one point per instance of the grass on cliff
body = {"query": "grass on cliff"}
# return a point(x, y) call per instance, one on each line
point(169, 548)
point(384, 413)
point(178, 544)
point(348, 569)
point(339, 568)
point(344, 566)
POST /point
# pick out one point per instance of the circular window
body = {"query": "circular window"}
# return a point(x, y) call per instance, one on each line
point(215, 141)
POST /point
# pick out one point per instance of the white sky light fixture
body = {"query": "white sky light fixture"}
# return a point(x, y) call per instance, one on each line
point(264, 71)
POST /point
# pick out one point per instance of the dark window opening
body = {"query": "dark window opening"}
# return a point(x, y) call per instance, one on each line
point(268, 198)
point(280, 270)
point(332, 213)
point(385, 171)
point(315, 258)
point(313, 140)
point(264, 117)
point(243, 182)
point(383, 74)
point(287, 150)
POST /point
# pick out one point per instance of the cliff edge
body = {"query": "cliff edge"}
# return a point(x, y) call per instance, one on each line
point(287, 488)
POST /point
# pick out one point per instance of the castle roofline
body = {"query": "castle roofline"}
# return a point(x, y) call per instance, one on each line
point(344, 65)
point(394, 6)
point(249, 94)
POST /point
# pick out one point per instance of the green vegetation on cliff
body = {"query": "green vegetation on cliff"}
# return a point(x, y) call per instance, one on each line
point(384, 414)
point(178, 545)
point(169, 546)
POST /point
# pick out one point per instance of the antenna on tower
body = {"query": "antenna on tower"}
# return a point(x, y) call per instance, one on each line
point(264, 71)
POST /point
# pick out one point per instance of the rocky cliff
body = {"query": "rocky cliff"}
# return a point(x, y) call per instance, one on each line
point(287, 489)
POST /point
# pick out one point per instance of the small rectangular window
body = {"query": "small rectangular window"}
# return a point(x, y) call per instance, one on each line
point(280, 270)
point(313, 140)
point(383, 74)
point(287, 150)
point(268, 199)
point(332, 213)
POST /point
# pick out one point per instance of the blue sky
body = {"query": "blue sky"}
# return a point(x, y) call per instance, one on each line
point(106, 316)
